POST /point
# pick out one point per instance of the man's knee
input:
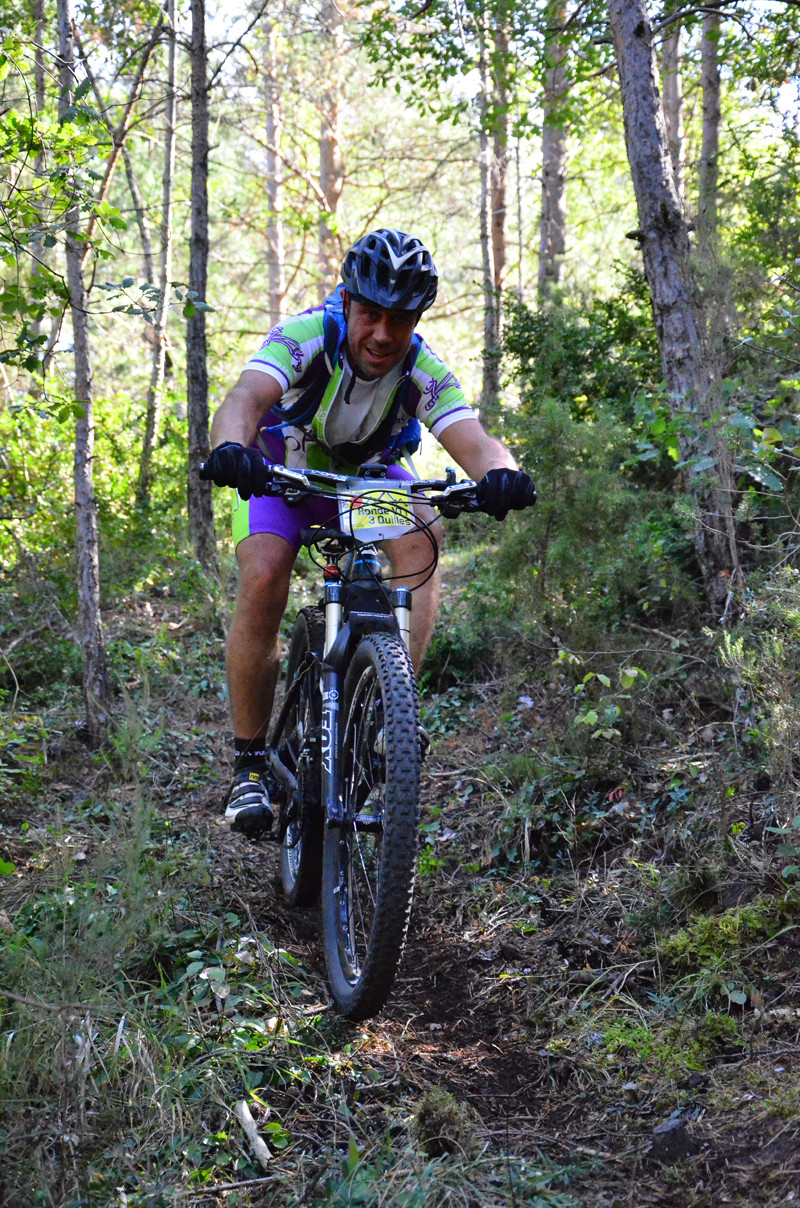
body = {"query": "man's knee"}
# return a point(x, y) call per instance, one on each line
point(413, 553)
point(265, 569)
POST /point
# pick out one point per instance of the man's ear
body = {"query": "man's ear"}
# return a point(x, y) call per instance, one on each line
point(346, 303)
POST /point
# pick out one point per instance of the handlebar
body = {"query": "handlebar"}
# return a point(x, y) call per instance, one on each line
point(447, 495)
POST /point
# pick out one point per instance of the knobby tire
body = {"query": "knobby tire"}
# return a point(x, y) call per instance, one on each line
point(298, 746)
point(369, 863)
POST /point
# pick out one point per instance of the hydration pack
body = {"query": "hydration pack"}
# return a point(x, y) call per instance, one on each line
point(301, 412)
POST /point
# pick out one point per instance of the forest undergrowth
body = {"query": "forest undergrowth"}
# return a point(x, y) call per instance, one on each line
point(599, 1000)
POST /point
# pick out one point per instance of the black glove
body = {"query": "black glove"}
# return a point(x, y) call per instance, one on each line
point(233, 465)
point(501, 491)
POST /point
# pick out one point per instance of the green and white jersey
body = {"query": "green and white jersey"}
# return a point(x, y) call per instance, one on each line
point(351, 410)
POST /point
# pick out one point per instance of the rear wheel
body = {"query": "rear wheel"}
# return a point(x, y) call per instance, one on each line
point(369, 861)
point(297, 745)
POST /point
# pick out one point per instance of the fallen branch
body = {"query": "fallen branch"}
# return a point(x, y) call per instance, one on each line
point(242, 1113)
point(49, 1006)
point(212, 1189)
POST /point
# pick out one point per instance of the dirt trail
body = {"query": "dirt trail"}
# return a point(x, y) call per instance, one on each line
point(477, 1008)
point(456, 1020)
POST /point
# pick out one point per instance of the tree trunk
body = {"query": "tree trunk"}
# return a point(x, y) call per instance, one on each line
point(38, 250)
point(152, 408)
point(690, 378)
point(330, 151)
point(40, 19)
point(553, 223)
point(499, 177)
point(276, 261)
point(489, 401)
point(90, 626)
point(201, 516)
point(672, 86)
point(141, 217)
point(520, 227)
point(709, 153)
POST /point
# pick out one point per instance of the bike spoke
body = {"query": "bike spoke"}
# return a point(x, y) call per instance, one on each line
point(360, 849)
point(369, 859)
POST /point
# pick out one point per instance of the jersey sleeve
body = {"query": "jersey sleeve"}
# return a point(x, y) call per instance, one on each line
point(289, 348)
point(436, 396)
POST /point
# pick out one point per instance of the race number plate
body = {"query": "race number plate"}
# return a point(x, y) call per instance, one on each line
point(375, 514)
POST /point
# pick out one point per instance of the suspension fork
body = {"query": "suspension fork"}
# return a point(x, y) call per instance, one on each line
point(331, 779)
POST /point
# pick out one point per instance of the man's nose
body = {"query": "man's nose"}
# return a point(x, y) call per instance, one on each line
point(382, 331)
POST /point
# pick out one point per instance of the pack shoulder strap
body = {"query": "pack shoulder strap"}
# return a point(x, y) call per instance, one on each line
point(303, 409)
point(334, 330)
point(381, 439)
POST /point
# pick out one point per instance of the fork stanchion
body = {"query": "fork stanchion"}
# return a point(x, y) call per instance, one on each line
point(401, 603)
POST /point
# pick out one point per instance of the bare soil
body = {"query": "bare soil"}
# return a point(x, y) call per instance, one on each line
point(492, 1010)
point(466, 1014)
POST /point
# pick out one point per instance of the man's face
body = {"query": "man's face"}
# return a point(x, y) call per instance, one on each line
point(377, 338)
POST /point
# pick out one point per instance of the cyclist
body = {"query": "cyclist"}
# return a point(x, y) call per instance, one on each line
point(336, 387)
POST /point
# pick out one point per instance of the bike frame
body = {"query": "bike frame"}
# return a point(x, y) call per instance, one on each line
point(378, 610)
point(355, 602)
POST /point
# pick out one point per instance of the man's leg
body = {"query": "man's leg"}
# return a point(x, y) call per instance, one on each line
point(265, 567)
point(409, 555)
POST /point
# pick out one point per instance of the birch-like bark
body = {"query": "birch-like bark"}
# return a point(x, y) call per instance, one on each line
point(672, 88)
point(40, 20)
point(38, 248)
point(664, 238)
point(499, 175)
point(39, 252)
point(153, 405)
point(520, 228)
point(90, 626)
point(276, 256)
point(201, 516)
point(330, 151)
point(553, 222)
point(141, 217)
point(489, 401)
point(709, 153)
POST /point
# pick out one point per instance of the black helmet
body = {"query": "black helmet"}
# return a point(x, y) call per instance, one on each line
point(390, 269)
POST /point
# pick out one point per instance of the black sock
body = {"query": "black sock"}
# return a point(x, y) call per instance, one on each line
point(249, 754)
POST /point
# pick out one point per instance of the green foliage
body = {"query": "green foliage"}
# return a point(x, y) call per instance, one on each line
point(598, 542)
point(768, 179)
point(444, 1125)
point(762, 653)
point(713, 956)
point(587, 356)
point(605, 534)
point(711, 938)
point(51, 173)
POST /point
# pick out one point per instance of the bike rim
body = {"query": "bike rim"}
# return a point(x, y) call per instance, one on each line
point(360, 838)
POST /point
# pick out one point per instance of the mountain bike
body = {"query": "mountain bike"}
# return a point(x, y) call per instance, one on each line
point(344, 750)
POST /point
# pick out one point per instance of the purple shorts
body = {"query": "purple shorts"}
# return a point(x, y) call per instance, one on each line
point(268, 514)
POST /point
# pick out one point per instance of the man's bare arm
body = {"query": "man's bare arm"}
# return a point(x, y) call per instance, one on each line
point(238, 416)
point(475, 450)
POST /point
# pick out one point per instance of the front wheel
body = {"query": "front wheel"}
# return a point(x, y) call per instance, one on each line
point(297, 745)
point(369, 861)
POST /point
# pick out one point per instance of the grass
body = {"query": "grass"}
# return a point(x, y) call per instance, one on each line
point(607, 914)
point(142, 996)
